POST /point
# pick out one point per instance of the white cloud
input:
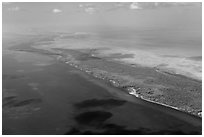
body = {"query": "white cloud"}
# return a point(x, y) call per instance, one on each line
point(56, 10)
point(135, 6)
point(90, 10)
point(14, 8)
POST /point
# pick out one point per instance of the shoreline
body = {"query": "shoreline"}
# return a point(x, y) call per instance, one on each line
point(112, 83)
point(102, 75)
point(131, 90)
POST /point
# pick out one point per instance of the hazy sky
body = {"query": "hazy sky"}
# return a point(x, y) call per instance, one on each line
point(102, 15)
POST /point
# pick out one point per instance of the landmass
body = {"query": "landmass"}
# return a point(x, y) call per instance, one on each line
point(151, 84)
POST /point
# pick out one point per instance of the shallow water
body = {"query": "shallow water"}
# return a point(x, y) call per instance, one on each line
point(54, 98)
point(169, 50)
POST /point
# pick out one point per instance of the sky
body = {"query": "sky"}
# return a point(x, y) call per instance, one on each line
point(69, 16)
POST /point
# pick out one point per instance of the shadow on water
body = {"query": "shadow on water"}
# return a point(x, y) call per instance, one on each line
point(97, 119)
point(12, 101)
point(112, 129)
point(106, 103)
point(93, 118)
point(96, 122)
point(11, 77)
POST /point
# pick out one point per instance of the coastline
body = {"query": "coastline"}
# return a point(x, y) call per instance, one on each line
point(131, 91)
point(76, 58)
point(134, 106)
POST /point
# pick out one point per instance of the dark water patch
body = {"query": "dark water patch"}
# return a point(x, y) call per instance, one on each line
point(13, 102)
point(107, 103)
point(93, 118)
point(6, 99)
point(173, 132)
point(73, 131)
point(113, 129)
point(28, 102)
point(16, 109)
point(9, 102)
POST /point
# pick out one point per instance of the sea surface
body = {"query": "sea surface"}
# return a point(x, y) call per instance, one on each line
point(42, 95)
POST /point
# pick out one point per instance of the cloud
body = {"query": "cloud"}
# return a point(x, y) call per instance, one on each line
point(14, 8)
point(135, 6)
point(90, 10)
point(56, 10)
